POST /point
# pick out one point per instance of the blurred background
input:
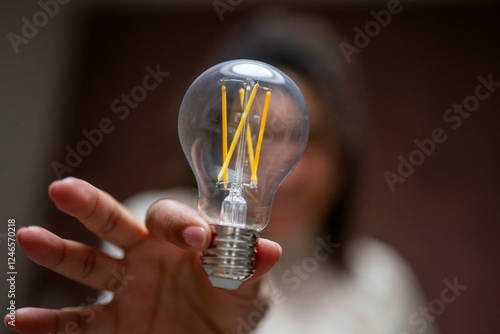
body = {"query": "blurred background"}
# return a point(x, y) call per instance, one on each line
point(61, 79)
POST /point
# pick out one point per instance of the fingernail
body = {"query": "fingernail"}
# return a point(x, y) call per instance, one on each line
point(194, 236)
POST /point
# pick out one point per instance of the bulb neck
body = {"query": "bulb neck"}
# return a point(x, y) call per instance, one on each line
point(229, 260)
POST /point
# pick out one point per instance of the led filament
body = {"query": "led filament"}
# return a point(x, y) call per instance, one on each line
point(241, 136)
point(234, 206)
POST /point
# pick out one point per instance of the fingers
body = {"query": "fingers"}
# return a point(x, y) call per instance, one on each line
point(93, 319)
point(74, 260)
point(98, 211)
point(267, 255)
point(179, 224)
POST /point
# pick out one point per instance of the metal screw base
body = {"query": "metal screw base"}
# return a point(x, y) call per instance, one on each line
point(229, 260)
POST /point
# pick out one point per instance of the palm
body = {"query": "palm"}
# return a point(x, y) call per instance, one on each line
point(165, 284)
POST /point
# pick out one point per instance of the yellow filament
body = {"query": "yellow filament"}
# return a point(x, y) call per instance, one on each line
point(261, 135)
point(249, 135)
point(250, 148)
point(238, 132)
point(242, 95)
point(224, 128)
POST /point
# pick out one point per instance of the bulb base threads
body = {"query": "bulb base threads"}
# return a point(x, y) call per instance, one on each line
point(229, 260)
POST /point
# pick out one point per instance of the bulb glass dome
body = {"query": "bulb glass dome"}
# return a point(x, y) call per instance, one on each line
point(243, 126)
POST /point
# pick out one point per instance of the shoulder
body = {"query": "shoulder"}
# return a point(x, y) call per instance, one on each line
point(380, 266)
point(371, 256)
point(381, 275)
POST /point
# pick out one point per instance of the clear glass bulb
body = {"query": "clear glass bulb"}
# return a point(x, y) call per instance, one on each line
point(243, 126)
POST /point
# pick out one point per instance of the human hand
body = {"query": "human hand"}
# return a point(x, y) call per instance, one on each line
point(163, 288)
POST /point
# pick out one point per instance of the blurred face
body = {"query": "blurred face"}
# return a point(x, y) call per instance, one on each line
point(307, 194)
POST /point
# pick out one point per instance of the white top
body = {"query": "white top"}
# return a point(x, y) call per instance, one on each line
point(379, 295)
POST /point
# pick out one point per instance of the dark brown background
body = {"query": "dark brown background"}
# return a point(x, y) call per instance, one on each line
point(443, 219)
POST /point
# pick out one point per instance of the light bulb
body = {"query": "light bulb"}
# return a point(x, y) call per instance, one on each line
point(243, 126)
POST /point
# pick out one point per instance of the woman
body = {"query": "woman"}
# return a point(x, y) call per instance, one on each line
point(329, 279)
point(325, 281)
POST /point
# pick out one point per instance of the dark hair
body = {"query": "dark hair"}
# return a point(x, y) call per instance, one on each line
point(309, 45)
